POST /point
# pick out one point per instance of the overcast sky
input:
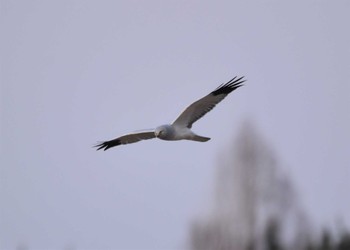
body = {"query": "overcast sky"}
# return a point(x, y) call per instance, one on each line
point(77, 72)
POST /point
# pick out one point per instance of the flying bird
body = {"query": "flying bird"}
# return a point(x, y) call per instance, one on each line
point(180, 129)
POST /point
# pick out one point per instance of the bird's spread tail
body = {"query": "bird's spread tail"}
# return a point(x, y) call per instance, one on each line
point(200, 138)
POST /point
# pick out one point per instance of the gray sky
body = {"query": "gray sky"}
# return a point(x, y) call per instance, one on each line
point(76, 72)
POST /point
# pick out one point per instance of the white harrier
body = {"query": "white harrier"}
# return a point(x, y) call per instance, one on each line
point(180, 129)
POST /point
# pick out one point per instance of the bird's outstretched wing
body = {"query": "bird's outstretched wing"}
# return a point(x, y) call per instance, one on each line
point(126, 139)
point(199, 108)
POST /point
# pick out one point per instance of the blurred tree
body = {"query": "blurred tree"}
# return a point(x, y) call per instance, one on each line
point(256, 206)
point(250, 190)
point(272, 237)
point(344, 242)
point(326, 241)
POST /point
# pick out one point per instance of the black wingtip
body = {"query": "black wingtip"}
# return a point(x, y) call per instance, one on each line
point(107, 144)
point(230, 86)
point(101, 146)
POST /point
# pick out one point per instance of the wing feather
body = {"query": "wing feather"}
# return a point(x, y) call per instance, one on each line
point(199, 108)
point(126, 139)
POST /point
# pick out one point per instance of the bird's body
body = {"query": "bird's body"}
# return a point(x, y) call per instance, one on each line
point(180, 129)
point(170, 132)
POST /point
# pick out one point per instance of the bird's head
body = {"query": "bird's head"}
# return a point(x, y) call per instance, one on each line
point(161, 131)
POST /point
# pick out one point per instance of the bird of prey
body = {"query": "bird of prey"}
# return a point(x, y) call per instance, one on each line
point(180, 129)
